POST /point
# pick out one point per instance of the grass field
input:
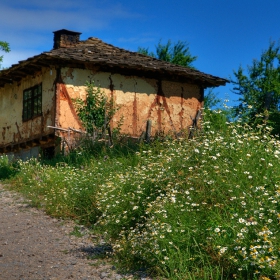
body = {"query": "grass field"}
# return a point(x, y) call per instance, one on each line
point(202, 208)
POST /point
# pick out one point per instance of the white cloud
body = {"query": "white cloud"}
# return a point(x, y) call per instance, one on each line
point(28, 25)
point(24, 19)
point(39, 15)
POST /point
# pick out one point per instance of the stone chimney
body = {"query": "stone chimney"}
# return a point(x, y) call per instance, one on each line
point(65, 38)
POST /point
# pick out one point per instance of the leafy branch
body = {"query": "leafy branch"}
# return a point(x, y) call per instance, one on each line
point(96, 111)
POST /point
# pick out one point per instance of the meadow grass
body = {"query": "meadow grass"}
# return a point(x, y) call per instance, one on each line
point(202, 208)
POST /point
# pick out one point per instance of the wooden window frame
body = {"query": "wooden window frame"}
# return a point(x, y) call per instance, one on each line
point(32, 103)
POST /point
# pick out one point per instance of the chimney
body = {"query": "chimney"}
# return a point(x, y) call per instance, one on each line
point(65, 38)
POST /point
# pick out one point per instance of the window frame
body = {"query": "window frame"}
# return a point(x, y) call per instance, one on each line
point(32, 102)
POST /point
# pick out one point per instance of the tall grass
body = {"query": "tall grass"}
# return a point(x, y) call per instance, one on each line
point(204, 208)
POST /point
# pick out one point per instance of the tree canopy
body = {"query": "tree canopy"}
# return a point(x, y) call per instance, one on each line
point(177, 53)
point(4, 46)
point(259, 88)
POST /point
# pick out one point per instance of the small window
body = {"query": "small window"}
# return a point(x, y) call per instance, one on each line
point(32, 102)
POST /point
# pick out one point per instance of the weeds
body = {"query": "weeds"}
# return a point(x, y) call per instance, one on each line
point(8, 167)
point(204, 208)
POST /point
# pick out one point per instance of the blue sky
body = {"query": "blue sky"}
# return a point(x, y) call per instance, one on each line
point(223, 34)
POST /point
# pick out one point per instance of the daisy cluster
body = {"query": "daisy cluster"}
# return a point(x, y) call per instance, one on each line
point(179, 207)
point(212, 199)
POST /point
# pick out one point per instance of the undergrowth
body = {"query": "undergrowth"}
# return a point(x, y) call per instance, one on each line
point(202, 208)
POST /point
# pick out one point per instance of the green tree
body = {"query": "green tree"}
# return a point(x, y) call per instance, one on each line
point(4, 46)
point(211, 100)
point(178, 53)
point(259, 88)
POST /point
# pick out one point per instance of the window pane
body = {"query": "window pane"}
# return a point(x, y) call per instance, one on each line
point(27, 110)
point(39, 104)
point(32, 102)
point(27, 94)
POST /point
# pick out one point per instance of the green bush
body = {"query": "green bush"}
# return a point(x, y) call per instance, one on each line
point(8, 168)
point(96, 111)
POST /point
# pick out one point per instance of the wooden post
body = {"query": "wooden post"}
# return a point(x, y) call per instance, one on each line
point(110, 136)
point(148, 131)
point(105, 125)
point(142, 136)
point(194, 125)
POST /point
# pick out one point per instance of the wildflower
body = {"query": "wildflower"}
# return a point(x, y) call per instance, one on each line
point(222, 250)
point(240, 235)
point(217, 230)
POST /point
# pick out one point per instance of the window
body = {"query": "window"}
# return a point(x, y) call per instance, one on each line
point(32, 102)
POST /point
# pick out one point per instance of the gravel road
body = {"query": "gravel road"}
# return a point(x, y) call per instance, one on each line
point(34, 246)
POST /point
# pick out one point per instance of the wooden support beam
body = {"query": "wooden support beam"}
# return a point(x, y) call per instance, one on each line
point(23, 145)
point(44, 140)
point(16, 148)
point(8, 149)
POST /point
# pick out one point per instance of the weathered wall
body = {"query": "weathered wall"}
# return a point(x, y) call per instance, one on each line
point(170, 105)
point(12, 128)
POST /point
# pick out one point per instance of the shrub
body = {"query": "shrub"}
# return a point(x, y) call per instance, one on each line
point(8, 168)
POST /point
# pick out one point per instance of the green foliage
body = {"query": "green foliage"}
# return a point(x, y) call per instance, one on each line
point(211, 100)
point(96, 111)
point(8, 168)
point(4, 46)
point(218, 118)
point(191, 206)
point(177, 53)
point(216, 113)
point(205, 208)
point(259, 89)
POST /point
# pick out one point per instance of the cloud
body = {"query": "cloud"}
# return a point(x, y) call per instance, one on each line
point(28, 25)
point(24, 19)
point(38, 15)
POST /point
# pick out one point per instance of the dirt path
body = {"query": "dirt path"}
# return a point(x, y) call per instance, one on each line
point(34, 246)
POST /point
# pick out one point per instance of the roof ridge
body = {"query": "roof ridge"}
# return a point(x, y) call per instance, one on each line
point(94, 50)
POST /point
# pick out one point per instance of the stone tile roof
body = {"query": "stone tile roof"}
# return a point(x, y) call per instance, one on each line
point(95, 53)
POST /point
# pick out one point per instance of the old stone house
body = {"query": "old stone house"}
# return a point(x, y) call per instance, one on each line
point(36, 94)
